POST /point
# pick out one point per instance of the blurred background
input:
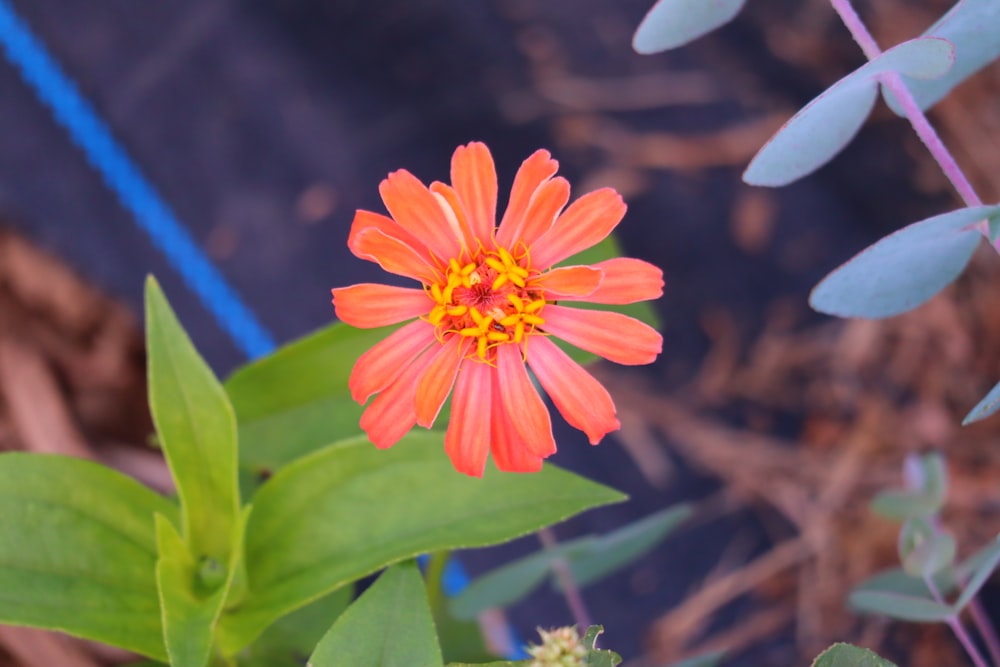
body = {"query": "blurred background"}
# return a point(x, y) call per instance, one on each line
point(264, 124)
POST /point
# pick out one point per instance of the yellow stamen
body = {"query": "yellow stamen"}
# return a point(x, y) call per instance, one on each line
point(516, 301)
point(458, 311)
point(477, 317)
point(497, 336)
point(470, 332)
point(519, 270)
point(533, 319)
point(436, 293)
point(496, 264)
point(518, 332)
point(510, 320)
point(468, 268)
point(516, 279)
point(455, 266)
point(481, 348)
point(534, 306)
point(500, 281)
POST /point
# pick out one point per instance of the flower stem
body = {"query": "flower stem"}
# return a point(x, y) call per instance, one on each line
point(956, 626)
point(986, 630)
point(574, 599)
point(909, 105)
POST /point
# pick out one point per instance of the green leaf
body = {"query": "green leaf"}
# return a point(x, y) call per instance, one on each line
point(615, 550)
point(987, 562)
point(598, 657)
point(846, 655)
point(927, 488)
point(390, 625)
point(672, 23)
point(502, 663)
point(313, 407)
point(350, 509)
point(814, 135)
point(590, 558)
point(191, 602)
point(290, 640)
point(197, 429)
point(986, 407)
point(704, 660)
point(900, 607)
point(78, 551)
point(460, 640)
point(904, 269)
point(509, 583)
point(898, 581)
point(972, 25)
point(924, 549)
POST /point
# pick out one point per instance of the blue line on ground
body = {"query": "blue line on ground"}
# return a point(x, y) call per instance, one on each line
point(124, 178)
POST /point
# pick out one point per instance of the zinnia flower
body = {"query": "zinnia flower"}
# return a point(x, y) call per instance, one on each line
point(486, 307)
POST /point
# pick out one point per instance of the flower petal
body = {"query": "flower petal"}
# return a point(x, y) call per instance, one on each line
point(456, 213)
point(522, 404)
point(585, 223)
point(579, 397)
point(417, 211)
point(377, 368)
point(626, 280)
point(368, 220)
point(439, 376)
point(392, 255)
point(569, 282)
point(391, 414)
point(474, 178)
point(616, 337)
point(509, 453)
point(534, 172)
point(546, 203)
point(370, 305)
point(468, 438)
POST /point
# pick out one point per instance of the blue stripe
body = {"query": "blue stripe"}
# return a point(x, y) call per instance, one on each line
point(124, 178)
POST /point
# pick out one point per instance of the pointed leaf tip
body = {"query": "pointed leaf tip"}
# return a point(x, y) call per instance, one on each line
point(814, 135)
point(902, 270)
point(985, 408)
point(672, 23)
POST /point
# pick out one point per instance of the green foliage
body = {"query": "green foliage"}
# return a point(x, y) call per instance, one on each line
point(986, 407)
point(972, 25)
point(78, 551)
point(925, 549)
point(290, 640)
point(390, 625)
point(314, 406)
point(846, 655)
point(348, 510)
point(904, 269)
point(197, 430)
point(461, 640)
point(704, 660)
point(589, 558)
point(672, 23)
point(814, 135)
point(598, 657)
point(927, 487)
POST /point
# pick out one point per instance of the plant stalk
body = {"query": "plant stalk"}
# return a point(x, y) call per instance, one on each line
point(956, 626)
point(560, 568)
point(912, 110)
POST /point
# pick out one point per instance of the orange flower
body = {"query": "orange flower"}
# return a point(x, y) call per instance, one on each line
point(486, 305)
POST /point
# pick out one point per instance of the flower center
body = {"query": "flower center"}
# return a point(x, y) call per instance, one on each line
point(490, 299)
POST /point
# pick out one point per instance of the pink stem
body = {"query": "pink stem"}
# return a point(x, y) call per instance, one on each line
point(570, 590)
point(911, 109)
